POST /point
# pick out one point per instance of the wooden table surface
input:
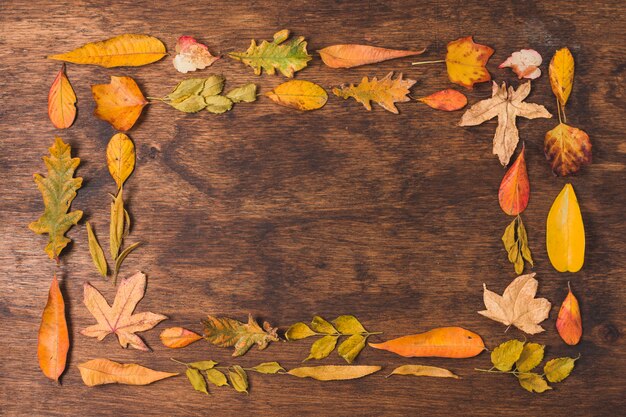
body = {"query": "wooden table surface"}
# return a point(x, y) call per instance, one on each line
point(285, 214)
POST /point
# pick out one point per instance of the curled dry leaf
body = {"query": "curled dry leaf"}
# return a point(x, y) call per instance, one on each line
point(507, 105)
point(96, 252)
point(567, 149)
point(120, 158)
point(192, 55)
point(385, 92)
point(515, 188)
point(525, 63)
point(466, 62)
point(423, 370)
point(225, 332)
point(517, 306)
point(562, 75)
point(126, 50)
point(178, 337)
point(350, 55)
point(119, 102)
point(299, 94)
point(53, 342)
point(443, 342)
point(334, 372)
point(515, 242)
point(103, 371)
point(58, 190)
point(565, 232)
point(119, 317)
point(447, 100)
point(569, 322)
point(61, 101)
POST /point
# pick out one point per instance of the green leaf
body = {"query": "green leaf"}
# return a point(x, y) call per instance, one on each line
point(515, 242)
point(245, 93)
point(58, 190)
point(286, 57)
point(185, 89)
point(225, 332)
point(238, 378)
point(122, 256)
point(533, 382)
point(322, 326)
point(351, 347)
point(348, 325)
point(558, 369)
point(116, 227)
point(531, 356)
point(504, 356)
point(197, 380)
point(213, 86)
point(268, 368)
point(299, 331)
point(322, 347)
point(191, 104)
point(218, 104)
point(216, 377)
point(97, 255)
point(202, 365)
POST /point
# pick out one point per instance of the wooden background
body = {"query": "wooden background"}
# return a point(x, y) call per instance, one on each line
point(283, 214)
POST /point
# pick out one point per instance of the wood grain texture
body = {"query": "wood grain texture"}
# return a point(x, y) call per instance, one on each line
point(285, 215)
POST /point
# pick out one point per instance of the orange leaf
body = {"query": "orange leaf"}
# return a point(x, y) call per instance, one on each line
point(447, 100)
point(54, 341)
point(103, 371)
point(119, 103)
point(442, 342)
point(178, 337)
point(348, 56)
point(61, 101)
point(569, 323)
point(386, 92)
point(567, 148)
point(515, 188)
point(466, 62)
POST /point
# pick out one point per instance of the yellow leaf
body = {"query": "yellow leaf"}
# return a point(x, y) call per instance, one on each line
point(121, 51)
point(103, 371)
point(61, 101)
point(119, 103)
point(565, 232)
point(385, 92)
point(97, 255)
point(562, 75)
point(466, 62)
point(299, 94)
point(120, 158)
point(334, 372)
point(423, 370)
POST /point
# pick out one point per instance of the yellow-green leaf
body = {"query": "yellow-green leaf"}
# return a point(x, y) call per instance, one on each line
point(334, 372)
point(531, 356)
point(218, 104)
point(565, 232)
point(423, 370)
point(348, 324)
point(120, 158)
point(385, 92)
point(197, 380)
point(320, 325)
point(299, 94)
point(268, 368)
point(515, 242)
point(203, 365)
point(533, 382)
point(97, 255)
point(238, 378)
point(116, 228)
point(322, 347)
point(224, 332)
point(189, 87)
point(556, 370)
point(504, 356)
point(191, 104)
point(245, 93)
point(216, 377)
point(299, 331)
point(122, 256)
point(350, 348)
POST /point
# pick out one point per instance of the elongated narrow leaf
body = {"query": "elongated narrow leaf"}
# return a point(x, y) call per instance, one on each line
point(423, 370)
point(122, 256)
point(116, 227)
point(299, 94)
point(97, 255)
point(515, 242)
point(444, 342)
point(565, 234)
point(53, 342)
point(61, 101)
point(103, 371)
point(351, 55)
point(562, 75)
point(178, 337)
point(120, 158)
point(334, 372)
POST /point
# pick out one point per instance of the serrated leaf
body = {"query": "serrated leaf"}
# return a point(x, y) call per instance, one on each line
point(120, 158)
point(466, 60)
point(120, 102)
point(565, 232)
point(504, 356)
point(61, 101)
point(103, 371)
point(350, 55)
point(245, 93)
point(286, 57)
point(348, 324)
point(218, 104)
point(567, 149)
point(515, 242)
point(385, 92)
point(423, 370)
point(299, 94)
point(178, 337)
point(322, 347)
point(116, 226)
point(225, 332)
point(556, 370)
point(238, 378)
point(191, 104)
point(95, 250)
point(561, 71)
point(531, 357)
point(320, 325)
point(533, 382)
point(58, 190)
point(216, 377)
point(299, 331)
point(334, 372)
point(268, 368)
point(197, 380)
point(350, 348)
point(203, 365)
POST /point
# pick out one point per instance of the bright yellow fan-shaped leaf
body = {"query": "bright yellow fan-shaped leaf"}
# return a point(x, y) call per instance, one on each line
point(565, 233)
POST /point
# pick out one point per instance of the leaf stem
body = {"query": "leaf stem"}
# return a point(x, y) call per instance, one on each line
point(428, 62)
point(177, 361)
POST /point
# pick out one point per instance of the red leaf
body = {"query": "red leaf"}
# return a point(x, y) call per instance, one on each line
point(515, 188)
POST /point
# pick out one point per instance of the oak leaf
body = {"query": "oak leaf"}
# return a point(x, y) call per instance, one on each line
point(567, 149)
point(517, 306)
point(466, 60)
point(351, 55)
point(447, 100)
point(119, 102)
point(525, 63)
point(299, 94)
point(191, 55)
point(226, 332)
point(385, 92)
point(515, 188)
point(53, 341)
point(507, 105)
point(58, 190)
point(565, 232)
point(61, 101)
point(119, 317)
point(569, 322)
point(103, 371)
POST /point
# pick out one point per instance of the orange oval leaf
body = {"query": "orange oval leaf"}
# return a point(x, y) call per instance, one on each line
point(567, 149)
point(178, 337)
point(442, 342)
point(350, 55)
point(447, 100)
point(54, 341)
point(515, 187)
point(119, 103)
point(569, 322)
point(61, 101)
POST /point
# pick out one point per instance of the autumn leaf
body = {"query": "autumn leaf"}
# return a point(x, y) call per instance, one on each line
point(515, 242)
point(197, 380)
point(299, 94)
point(442, 342)
point(569, 322)
point(54, 341)
point(268, 368)
point(507, 105)
point(120, 158)
point(506, 355)
point(178, 337)
point(423, 370)
point(531, 357)
point(525, 63)
point(562, 75)
point(126, 50)
point(447, 100)
point(192, 55)
point(556, 370)
point(218, 104)
point(567, 149)
point(58, 190)
point(225, 332)
point(565, 232)
point(533, 382)
point(96, 252)
point(286, 57)
point(238, 378)
point(246, 93)
point(119, 103)
point(350, 55)
point(385, 92)
point(119, 317)
point(103, 371)
point(334, 372)
point(61, 101)
point(515, 188)
point(518, 306)
point(466, 62)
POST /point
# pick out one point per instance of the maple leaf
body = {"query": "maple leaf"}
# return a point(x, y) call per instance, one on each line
point(58, 190)
point(466, 60)
point(119, 103)
point(286, 57)
point(385, 92)
point(507, 104)
point(192, 55)
point(225, 332)
point(517, 306)
point(119, 317)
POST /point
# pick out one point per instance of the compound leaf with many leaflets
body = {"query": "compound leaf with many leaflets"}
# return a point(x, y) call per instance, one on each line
point(385, 92)
point(515, 242)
